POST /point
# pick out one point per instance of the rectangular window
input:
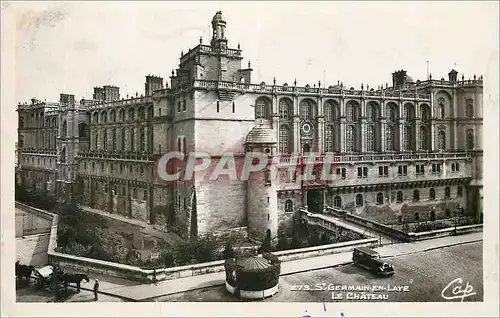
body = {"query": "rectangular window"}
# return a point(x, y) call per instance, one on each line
point(337, 171)
point(457, 166)
point(360, 172)
point(400, 170)
point(386, 171)
point(343, 173)
point(218, 106)
point(405, 170)
point(380, 171)
point(233, 108)
point(184, 105)
point(179, 106)
point(365, 172)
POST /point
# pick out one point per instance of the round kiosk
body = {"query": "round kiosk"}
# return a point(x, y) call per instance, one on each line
point(253, 277)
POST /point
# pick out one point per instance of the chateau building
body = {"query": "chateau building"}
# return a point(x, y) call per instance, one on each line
point(408, 152)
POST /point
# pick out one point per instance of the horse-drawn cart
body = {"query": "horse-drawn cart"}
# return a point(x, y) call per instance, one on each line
point(48, 277)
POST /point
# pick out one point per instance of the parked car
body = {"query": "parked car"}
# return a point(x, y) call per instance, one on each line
point(370, 260)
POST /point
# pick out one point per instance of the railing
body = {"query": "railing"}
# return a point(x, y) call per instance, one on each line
point(142, 156)
point(304, 159)
point(207, 84)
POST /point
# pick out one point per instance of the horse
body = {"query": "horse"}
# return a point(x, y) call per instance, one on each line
point(24, 271)
point(67, 279)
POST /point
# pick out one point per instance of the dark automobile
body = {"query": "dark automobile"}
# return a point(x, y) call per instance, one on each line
point(370, 259)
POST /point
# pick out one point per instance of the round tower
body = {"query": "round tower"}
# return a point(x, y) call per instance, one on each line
point(262, 200)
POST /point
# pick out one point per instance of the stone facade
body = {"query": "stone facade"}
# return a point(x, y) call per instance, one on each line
point(387, 143)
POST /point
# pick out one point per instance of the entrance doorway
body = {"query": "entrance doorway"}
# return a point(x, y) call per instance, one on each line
point(306, 148)
point(315, 201)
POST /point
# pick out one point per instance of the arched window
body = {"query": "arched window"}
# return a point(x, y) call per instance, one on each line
point(64, 131)
point(408, 112)
point(286, 110)
point(132, 139)
point(359, 200)
point(112, 116)
point(328, 111)
point(306, 109)
point(62, 158)
point(352, 112)
point(142, 139)
point(96, 140)
point(350, 139)
point(470, 139)
point(105, 139)
point(329, 138)
point(83, 131)
point(184, 147)
point(432, 194)
point(460, 191)
point(262, 109)
point(416, 196)
point(440, 108)
point(142, 113)
point(391, 113)
point(469, 109)
point(289, 206)
point(337, 201)
point(406, 138)
point(96, 118)
point(441, 140)
point(422, 138)
point(417, 217)
point(370, 138)
point(122, 139)
point(104, 117)
point(114, 140)
point(447, 192)
point(121, 115)
point(424, 112)
point(389, 138)
point(399, 197)
point(131, 114)
point(380, 198)
point(284, 139)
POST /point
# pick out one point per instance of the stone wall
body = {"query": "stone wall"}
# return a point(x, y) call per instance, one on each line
point(33, 249)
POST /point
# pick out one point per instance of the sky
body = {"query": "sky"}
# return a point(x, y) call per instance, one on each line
point(73, 47)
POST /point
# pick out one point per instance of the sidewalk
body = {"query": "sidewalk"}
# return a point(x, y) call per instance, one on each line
point(133, 291)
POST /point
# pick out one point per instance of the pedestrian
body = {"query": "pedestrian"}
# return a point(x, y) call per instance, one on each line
point(96, 289)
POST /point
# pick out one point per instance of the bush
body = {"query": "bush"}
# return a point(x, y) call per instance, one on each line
point(230, 267)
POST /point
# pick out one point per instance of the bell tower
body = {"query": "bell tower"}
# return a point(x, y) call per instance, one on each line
point(219, 40)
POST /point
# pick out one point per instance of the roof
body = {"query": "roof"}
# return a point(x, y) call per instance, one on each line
point(254, 262)
point(366, 250)
point(261, 135)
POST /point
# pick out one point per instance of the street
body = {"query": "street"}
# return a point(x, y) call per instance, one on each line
point(30, 294)
point(425, 274)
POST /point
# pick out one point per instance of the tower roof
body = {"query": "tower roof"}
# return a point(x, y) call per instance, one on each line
point(261, 135)
point(218, 16)
point(254, 263)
